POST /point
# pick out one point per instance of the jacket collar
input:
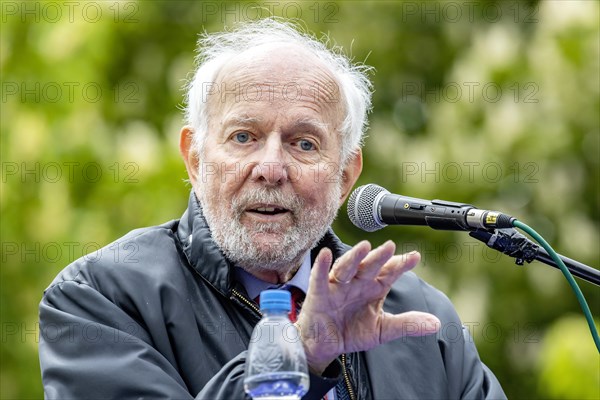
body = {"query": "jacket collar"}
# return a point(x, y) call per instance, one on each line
point(201, 251)
point(208, 260)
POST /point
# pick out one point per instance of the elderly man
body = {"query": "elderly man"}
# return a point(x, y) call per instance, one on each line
point(272, 149)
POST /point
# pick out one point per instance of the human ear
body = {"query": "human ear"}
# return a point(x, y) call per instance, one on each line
point(190, 155)
point(350, 174)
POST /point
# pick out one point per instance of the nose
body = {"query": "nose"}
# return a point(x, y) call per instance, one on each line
point(271, 168)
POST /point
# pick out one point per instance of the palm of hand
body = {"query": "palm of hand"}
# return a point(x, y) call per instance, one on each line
point(343, 310)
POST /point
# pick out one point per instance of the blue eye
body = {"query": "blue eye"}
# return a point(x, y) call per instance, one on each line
point(306, 145)
point(242, 137)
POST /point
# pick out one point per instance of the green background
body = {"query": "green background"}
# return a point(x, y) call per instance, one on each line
point(490, 103)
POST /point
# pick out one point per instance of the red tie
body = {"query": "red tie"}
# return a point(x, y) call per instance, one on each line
point(297, 300)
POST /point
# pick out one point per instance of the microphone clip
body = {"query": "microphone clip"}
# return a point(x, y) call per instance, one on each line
point(510, 242)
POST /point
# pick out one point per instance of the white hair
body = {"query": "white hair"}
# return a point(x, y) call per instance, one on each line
point(216, 49)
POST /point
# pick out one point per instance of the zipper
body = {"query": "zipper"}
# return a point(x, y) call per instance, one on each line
point(347, 378)
point(246, 301)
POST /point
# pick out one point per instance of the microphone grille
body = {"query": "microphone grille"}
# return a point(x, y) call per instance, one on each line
point(361, 207)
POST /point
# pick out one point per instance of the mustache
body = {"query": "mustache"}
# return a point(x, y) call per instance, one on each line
point(267, 195)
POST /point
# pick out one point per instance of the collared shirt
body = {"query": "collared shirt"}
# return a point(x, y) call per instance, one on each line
point(254, 285)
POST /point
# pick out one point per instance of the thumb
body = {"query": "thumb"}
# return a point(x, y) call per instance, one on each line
point(411, 323)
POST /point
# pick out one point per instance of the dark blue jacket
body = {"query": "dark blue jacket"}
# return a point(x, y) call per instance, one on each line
point(157, 314)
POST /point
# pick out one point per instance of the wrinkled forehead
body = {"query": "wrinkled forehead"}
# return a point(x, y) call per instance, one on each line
point(277, 74)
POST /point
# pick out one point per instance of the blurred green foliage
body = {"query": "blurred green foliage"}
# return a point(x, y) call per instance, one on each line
point(489, 103)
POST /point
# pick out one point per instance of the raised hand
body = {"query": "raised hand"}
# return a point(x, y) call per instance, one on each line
point(343, 309)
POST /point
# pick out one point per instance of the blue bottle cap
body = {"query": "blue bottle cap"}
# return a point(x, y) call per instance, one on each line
point(275, 299)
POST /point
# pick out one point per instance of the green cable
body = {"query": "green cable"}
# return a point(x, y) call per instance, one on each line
point(567, 274)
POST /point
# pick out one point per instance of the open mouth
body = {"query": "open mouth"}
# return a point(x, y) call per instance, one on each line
point(268, 210)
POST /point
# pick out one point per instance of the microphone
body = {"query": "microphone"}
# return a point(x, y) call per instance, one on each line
point(372, 207)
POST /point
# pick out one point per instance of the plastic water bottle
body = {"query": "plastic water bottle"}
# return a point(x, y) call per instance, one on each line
point(276, 364)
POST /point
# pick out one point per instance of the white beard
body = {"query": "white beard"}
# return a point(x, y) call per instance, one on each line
point(236, 241)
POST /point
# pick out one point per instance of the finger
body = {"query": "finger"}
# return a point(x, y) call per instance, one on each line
point(398, 265)
point(319, 275)
point(344, 269)
point(372, 263)
point(411, 323)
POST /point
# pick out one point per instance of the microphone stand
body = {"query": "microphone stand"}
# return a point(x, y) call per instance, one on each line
point(510, 242)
